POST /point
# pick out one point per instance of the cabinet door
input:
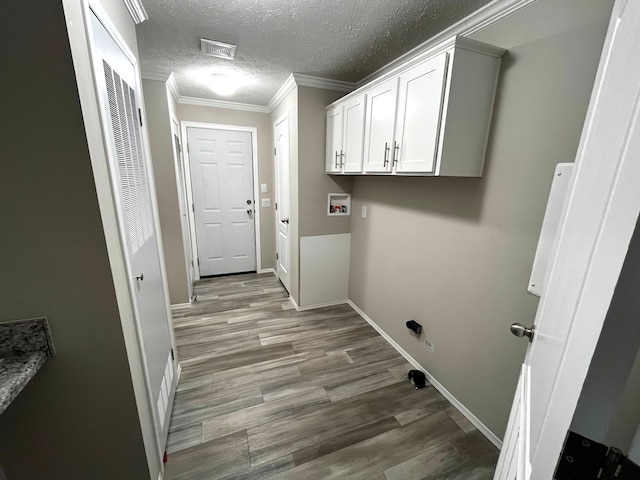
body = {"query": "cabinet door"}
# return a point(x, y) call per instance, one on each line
point(353, 138)
point(379, 125)
point(420, 99)
point(334, 140)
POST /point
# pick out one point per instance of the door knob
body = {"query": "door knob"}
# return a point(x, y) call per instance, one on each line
point(520, 330)
point(249, 211)
point(140, 277)
point(284, 220)
point(248, 202)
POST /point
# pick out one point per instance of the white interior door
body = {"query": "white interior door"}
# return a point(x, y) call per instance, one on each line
point(183, 205)
point(117, 81)
point(601, 214)
point(283, 242)
point(221, 166)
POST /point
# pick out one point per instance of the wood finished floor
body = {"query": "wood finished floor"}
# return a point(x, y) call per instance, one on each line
point(270, 392)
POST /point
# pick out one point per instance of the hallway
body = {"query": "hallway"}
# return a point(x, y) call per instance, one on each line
point(270, 392)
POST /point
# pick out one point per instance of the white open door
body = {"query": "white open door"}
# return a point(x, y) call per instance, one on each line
point(117, 83)
point(601, 213)
point(283, 241)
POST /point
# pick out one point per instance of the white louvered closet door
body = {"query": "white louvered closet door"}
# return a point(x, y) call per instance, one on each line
point(116, 78)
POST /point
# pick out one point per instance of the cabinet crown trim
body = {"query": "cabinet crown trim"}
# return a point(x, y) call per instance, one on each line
point(458, 42)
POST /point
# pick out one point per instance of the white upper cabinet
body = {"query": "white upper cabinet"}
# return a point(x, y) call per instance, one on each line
point(380, 121)
point(418, 116)
point(333, 162)
point(353, 136)
point(345, 136)
point(430, 116)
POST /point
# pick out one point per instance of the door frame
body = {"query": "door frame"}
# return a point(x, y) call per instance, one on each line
point(78, 22)
point(186, 165)
point(605, 181)
point(277, 121)
point(602, 213)
point(178, 162)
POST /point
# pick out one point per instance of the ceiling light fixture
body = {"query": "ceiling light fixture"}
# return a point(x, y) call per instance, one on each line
point(223, 85)
point(218, 49)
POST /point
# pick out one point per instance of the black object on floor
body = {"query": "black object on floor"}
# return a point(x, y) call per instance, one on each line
point(418, 378)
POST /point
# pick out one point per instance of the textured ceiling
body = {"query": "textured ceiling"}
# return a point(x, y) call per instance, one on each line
point(337, 39)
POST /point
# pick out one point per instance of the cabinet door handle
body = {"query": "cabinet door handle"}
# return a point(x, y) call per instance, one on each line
point(336, 159)
point(386, 154)
point(342, 158)
point(396, 147)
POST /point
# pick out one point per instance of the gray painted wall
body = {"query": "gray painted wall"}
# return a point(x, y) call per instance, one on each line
point(313, 184)
point(77, 418)
point(263, 124)
point(164, 170)
point(455, 254)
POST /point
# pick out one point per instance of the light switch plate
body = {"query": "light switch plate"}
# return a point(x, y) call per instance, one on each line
point(264, 188)
point(364, 211)
point(265, 202)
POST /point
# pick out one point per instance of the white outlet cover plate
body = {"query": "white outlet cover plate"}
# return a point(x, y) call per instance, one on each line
point(265, 202)
point(364, 211)
point(263, 188)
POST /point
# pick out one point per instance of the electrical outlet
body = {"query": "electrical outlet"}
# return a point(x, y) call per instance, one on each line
point(264, 188)
point(428, 345)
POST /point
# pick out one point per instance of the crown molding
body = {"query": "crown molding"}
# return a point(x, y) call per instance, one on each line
point(300, 79)
point(286, 88)
point(137, 11)
point(172, 85)
point(204, 102)
point(154, 75)
point(479, 20)
point(326, 83)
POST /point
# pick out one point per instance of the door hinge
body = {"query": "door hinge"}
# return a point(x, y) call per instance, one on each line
point(173, 357)
point(198, 261)
point(277, 256)
point(274, 151)
point(585, 458)
point(140, 116)
point(193, 208)
point(276, 205)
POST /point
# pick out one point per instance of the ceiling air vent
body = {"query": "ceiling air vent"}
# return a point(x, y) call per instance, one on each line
point(218, 49)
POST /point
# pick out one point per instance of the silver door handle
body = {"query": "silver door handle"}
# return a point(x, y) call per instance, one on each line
point(520, 330)
point(249, 211)
point(336, 159)
point(341, 158)
point(396, 147)
point(140, 277)
point(386, 154)
point(284, 220)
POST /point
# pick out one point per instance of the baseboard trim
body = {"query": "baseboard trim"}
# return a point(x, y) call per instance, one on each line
point(437, 385)
point(180, 305)
point(267, 270)
point(295, 305)
point(319, 305)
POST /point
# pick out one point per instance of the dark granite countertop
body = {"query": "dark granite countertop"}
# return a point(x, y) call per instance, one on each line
point(25, 346)
point(15, 373)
